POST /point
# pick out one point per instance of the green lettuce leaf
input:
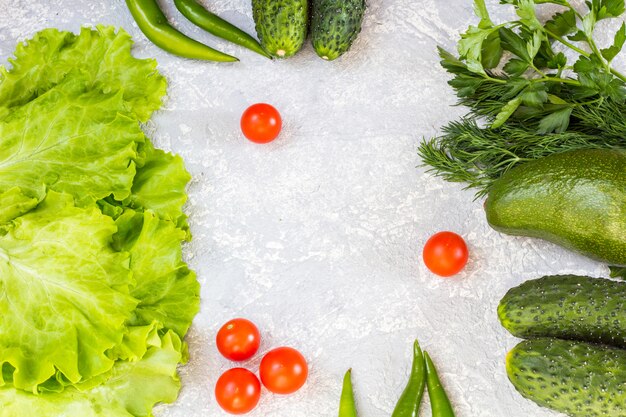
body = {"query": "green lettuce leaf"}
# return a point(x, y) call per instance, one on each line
point(64, 293)
point(159, 185)
point(94, 295)
point(101, 56)
point(168, 292)
point(131, 389)
point(15, 203)
point(70, 141)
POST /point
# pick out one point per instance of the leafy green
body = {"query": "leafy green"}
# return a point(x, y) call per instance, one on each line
point(537, 99)
point(159, 185)
point(506, 112)
point(63, 282)
point(451, 157)
point(95, 297)
point(562, 23)
point(618, 43)
point(471, 47)
point(15, 203)
point(167, 290)
point(102, 56)
point(130, 389)
point(68, 123)
point(618, 272)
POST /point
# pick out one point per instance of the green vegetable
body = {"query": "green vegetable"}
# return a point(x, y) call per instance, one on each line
point(96, 296)
point(53, 126)
point(157, 29)
point(532, 107)
point(131, 388)
point(281, 25)
point(57, 258)
point(217, 26)
point(409, 403)
point(439, 401)
point(575, 378)
point(347, 408)
point(618, 272)
point(105, 64)
point(567, 307)
point(478, 156)
point(576, 199)
point(335, 24)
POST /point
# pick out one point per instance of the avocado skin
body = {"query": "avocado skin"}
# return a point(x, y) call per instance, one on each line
point(335, 25)
point(567, 307)
point(281, 25)
point(576, 378)
point(576, 199)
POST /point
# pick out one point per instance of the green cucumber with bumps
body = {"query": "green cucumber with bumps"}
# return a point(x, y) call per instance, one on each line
point(576, 378)
point(576, 199)
point(335, 25)
point(281, 25)
point(567, 307)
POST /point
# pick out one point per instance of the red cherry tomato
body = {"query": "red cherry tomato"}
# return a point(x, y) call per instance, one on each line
point(238, 391)
point(261, 123)
point(238, 339)
point(283, 370)
point(445, 254)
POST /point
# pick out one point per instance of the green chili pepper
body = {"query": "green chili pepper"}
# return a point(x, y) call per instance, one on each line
point(347, 408)
point(217, 26)
point(439, 401)
point(155, 26)
point(409, 403)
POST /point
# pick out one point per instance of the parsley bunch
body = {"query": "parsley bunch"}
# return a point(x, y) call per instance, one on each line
point(527, 96)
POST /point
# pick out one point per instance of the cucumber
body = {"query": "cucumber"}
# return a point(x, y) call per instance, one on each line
point(335, 25)
point(567, 307)
point(576, 199)
point(281, 25)
point(576, 378)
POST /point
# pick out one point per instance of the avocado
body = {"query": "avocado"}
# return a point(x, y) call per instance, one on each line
point(576, 378)
point(281, 25)
point(335, 25)
point(567, 307)
point(576, 199)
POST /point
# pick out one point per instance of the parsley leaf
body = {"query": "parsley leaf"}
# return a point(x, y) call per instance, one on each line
point(562, 24)
point(534, 95)
point(471, 47)
point(618, 43)
point(555, 122)
point(527, 14)
point(506, 112)
point(514, 43)
point(481, 11)
point(492, 50)
point(515, 67)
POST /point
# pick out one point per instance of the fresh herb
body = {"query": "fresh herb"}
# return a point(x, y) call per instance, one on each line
point(536, 100)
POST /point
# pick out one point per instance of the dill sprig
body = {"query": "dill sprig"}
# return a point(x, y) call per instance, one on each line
point(477, 156)
point(537, 102)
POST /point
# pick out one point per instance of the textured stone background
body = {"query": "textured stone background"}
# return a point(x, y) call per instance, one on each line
point(317, 237)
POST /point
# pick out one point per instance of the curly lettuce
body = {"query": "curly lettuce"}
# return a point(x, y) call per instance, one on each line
point(102, 58)
point(95, 298)
point(65, 285)
point(71, 141)
point(130, 389)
